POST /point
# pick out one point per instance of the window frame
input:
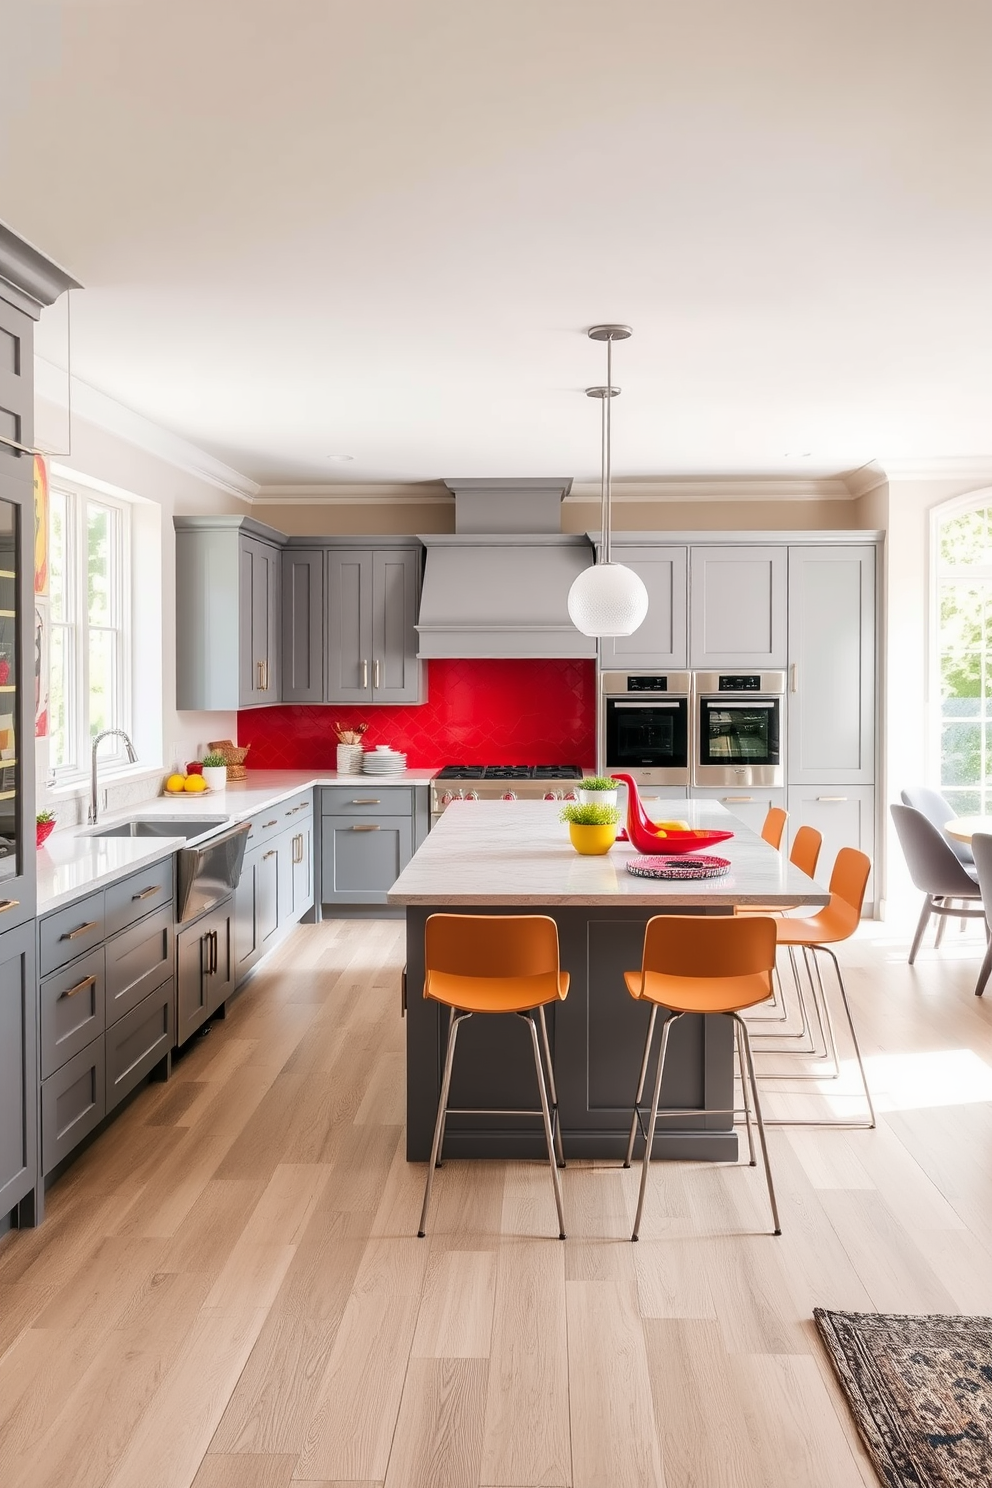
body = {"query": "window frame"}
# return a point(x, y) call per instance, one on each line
point(80, 500)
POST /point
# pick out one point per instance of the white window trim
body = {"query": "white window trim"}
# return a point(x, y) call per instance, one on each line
point(968, 501)
point(114, 761)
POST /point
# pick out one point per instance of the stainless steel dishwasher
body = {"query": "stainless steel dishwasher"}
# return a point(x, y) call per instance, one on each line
point(211, 871)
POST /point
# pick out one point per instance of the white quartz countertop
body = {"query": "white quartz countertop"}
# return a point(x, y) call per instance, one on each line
point(73, 862)
point(518, 852)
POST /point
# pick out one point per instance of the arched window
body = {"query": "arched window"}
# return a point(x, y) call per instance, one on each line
point(962, 555)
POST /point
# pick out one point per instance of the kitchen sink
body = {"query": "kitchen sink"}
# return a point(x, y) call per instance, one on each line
point(161, 826)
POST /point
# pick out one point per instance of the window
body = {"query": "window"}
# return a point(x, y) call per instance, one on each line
point(90, 628)
point(963, 574)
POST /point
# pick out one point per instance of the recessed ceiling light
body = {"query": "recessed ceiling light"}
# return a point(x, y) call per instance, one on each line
point(339, 459)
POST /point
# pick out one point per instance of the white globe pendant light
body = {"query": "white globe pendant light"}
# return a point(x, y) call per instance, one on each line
point(607, 599)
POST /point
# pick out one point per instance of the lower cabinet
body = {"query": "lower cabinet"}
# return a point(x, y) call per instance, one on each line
point(205, 968)
point(751, 806)
point(360, 861)
point(277, 880)
point(18, 1067)
point(73, 1103)
point(139, 1041)
point(843, 814)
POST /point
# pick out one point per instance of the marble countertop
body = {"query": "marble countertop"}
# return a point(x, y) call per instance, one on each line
point(74, 862)
point(518, 852)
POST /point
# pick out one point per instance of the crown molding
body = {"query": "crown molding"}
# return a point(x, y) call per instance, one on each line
point(723, 488)
point(28, 277)
point(947, 467)
point(106, 413)
point(424, 493)
point(865, 479)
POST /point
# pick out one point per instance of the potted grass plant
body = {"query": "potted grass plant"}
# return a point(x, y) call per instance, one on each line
point(597, 790)
point(591, 828)
point(215, 770)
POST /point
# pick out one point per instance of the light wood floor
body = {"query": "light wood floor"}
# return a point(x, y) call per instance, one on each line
point(228, 1291)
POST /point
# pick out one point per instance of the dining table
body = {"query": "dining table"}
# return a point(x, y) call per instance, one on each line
point(514, 857)
point(963, 828)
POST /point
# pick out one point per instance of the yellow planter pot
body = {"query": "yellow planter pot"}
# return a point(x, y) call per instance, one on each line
point(592, 841)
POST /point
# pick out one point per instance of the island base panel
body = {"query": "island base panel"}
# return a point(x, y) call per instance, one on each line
point(597, 1041)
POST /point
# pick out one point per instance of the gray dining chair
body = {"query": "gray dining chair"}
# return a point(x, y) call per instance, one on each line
point(940, 811)
point(935, 869)
point(982, 846)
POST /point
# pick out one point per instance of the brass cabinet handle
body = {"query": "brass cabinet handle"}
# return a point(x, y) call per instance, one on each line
point(365, 673)
point(258, 685)
point(794, 687)
point(273, 823)
point(6, 904)
point(215, 941)
point(298, 839)
point(736, 798)
point(366, 801)
point(152, 889)
point(370, 827)
point(831, 798)
point(375, 672)
point(80, 930)
point(272, 853)
point(89, 981)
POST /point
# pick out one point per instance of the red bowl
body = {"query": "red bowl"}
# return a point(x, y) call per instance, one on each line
point(684, 842)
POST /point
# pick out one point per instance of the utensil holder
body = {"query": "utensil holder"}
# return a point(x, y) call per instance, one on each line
point(350, 759)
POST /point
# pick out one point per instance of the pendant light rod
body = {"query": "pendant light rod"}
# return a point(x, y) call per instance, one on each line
point(609, 334)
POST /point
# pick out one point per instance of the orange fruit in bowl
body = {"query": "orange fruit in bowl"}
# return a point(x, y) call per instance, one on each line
point(195, 783)
point(176, 783)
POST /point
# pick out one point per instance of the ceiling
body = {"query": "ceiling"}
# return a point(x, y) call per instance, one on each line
point(311, 229)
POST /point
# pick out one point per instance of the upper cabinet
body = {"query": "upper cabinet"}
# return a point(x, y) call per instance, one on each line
point(371, 619)
point(738, 602)
point(831, 664)
point(661, 640)
point(227, 613)
point(303, 625)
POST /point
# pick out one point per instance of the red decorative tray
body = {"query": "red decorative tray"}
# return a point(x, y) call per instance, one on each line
point(674, 843)
point(683, 867)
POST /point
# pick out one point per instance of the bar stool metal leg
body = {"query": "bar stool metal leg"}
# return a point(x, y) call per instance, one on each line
point(640, 1085)
point(552, 1088)
point(761, 1125)
point(746, 1098)
point(850, 1024)
point(666, 1030)
point(442, 1112)
point(546, 1113)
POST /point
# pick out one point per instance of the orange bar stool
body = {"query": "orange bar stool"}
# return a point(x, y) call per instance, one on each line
point(496, 964)
point(836, 922)
point(697, 964)
point(774, 826)
point(805, 855)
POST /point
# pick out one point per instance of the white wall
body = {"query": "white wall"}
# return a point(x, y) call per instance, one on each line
point(163, 490)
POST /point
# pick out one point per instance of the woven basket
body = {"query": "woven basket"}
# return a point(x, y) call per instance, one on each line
point(234, 757)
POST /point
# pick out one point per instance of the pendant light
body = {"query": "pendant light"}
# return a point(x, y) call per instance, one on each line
point(607, 599)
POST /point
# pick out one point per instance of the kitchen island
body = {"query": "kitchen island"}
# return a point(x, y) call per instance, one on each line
point(514, 857)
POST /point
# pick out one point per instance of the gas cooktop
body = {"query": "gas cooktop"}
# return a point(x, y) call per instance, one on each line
point(509, 772)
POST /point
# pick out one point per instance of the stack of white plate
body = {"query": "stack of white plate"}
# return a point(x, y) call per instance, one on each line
point(383, 761)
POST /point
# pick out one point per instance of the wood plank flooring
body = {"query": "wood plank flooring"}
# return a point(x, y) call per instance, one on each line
point(229, 1291)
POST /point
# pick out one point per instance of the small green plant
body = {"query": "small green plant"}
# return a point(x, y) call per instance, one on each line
point(590, 816)
point(598, 783)
point(213, 761)
point(45, 816)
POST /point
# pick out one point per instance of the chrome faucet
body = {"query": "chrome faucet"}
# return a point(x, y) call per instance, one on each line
point(132, 758)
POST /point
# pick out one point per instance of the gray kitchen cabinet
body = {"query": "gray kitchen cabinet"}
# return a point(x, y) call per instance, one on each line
point(845, 817)
point(19, 1175)
point(73, 1103)
point(205, 968)
point(738, 608)
point(372, 596)
point(662, 639)
point(749, 806)
point(301, 869)
point(831, 705)
point(228, 620)
point(139, 1041)
point(276, 886)
point(361, 860)
point(303, 625)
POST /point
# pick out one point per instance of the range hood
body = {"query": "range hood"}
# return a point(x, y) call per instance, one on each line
point(498, 586)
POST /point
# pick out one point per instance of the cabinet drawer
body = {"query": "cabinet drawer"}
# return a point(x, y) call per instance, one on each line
point(138, 1041)
point(138, 894)
point(73, 1010)
point(265, 824)
point(295, 810)
point(69, 932)
point(366, 800)
point(138, 960)
point(360, 861)
point(73, 1102)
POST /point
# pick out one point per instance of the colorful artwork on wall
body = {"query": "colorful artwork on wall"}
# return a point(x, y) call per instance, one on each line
point(41, 505)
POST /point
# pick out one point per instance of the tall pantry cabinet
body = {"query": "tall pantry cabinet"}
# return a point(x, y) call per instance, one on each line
point(28, 282)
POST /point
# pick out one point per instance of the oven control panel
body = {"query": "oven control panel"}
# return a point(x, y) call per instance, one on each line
point(647, 684)
point(748, 683)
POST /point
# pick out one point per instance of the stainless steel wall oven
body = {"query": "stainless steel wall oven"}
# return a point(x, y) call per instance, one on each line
point(644, 726)
point(739, 728)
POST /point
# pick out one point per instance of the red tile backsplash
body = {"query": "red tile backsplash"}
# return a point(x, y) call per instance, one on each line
point(477, 712)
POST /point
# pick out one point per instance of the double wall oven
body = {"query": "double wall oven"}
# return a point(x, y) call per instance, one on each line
point(693, 728)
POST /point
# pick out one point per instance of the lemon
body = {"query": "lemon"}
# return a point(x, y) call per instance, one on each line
point(194, 783)
point(673, 826)
point(176, 783)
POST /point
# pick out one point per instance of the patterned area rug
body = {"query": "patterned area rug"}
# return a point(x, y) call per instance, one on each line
point(920, 1389)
